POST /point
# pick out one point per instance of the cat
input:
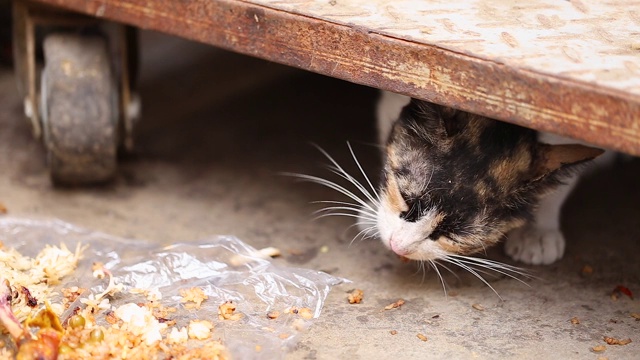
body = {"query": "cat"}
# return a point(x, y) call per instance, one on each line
point(455, 183)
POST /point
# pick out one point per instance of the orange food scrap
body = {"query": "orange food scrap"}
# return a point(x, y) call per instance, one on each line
point(356, 296)
point(394, 305)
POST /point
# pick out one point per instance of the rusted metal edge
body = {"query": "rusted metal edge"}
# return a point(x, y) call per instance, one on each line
point(600, 116)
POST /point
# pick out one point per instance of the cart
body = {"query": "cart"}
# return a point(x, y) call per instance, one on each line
point(567, 67)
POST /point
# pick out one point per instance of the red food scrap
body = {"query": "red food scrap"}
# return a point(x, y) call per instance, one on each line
point(31, 301)
point(621, 289)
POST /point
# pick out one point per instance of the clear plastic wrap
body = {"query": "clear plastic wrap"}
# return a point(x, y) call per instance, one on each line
point(223, 266)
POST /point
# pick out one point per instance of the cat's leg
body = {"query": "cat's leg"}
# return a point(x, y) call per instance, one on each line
point(542, 241)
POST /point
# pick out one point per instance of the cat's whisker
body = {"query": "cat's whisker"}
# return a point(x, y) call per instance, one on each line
point(355, 182)
point(332, 185)
point(434, 265)
point(366, 233)
point(353, 205)
point(336, 168)
point(454, 261)
point(356, 211)
point(336, 214)
point(501, 268)
point(447, 268)
point(355, 159)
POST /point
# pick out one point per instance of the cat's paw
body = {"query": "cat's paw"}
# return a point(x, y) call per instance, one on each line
point(534, 245)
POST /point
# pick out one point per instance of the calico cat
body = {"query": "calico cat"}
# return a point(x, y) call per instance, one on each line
point(455, 183)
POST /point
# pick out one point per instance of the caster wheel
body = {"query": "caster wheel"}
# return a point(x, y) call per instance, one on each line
point(79, 107)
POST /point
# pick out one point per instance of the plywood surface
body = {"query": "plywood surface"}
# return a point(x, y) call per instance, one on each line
point(593, 41)
point(569, 67)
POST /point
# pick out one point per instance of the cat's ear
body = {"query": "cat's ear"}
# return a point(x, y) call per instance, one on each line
point(451, 120)
point(436, 119)
point(556, 161)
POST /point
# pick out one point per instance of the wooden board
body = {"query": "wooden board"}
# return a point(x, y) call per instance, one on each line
point(569, 67)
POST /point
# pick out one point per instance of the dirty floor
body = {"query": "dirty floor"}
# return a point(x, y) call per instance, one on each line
point(218, 130)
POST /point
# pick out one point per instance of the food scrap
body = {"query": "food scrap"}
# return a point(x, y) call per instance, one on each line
point(266, 253)
point(614, 341)
point(192, 297)
point(422, 337)
point(393, 332)
point(305, 313)
point(575, 320)
point(3, 209)
point(636, 316)
point(226, 311)
point(587, 270)
point(394, 305)
point(273, 314)
point(478, 307)
point(355, 296)
point(199, 329)
point(96, 329)
point(599, 348)
point(619, 290)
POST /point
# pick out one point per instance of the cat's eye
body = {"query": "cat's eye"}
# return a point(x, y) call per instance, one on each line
point(416, 207)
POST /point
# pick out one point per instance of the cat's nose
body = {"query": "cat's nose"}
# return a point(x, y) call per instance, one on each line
point(397, 248)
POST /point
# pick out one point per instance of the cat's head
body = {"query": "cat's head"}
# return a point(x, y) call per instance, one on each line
point(455, 183)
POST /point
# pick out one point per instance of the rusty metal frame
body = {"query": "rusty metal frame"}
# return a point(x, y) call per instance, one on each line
point(602, 116)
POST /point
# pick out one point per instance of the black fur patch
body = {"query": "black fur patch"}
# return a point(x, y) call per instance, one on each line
point(478, 173)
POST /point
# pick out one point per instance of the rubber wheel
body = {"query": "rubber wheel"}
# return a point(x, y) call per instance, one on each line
point(79, 109)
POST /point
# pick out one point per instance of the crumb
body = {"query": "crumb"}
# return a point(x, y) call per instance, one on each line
point(258, 348)
point(619, 290)
point(292, 310)
point(31, 300)
point(269, 252)
point(111, 317)
point(266, 253)
point(97, 266)
point(283, 336)
point(226, 311)
point(587, 270)
point(599, 348)
point(178, 336)
point(355, 297)
point(324, 249)
point(614, 341)
point(575, 320)
point(193, 297)
point(602, 358)
point(394, 305)
point(393, 332)
point(199, 329)
point(403, 259)
point(478, 307)
point(274, 314)
point(71, 294)
point(422, 337)
point(305, 313)
point(3, 209)
point(636, 316)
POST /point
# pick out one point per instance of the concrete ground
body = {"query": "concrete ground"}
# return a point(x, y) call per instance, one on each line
point(218, 129)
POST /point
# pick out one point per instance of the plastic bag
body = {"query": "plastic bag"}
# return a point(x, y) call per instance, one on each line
point(255, 285)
